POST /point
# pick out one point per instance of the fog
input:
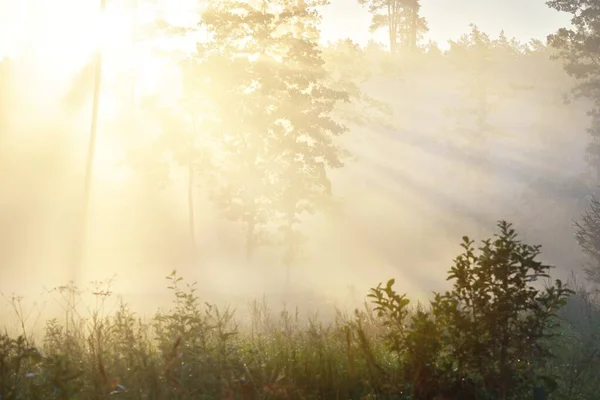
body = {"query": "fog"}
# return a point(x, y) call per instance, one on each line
point(409, 192)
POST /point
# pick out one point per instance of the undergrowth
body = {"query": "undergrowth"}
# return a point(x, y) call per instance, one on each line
point(493, 336)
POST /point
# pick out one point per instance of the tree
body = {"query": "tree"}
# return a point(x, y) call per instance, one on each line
point(80, 240)
point(182, 140)
point(484, 67)
point(274, 105)
point(401, 17)
point(577, 355)
point(348, 68)
point(578, 49)
point(587, 234)
point(478, 59)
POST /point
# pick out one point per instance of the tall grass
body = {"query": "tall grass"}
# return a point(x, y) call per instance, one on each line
point(196, 350)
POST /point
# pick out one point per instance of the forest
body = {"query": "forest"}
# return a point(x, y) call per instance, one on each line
point(219, 204)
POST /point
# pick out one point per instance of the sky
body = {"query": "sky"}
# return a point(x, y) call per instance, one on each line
point(449, 19)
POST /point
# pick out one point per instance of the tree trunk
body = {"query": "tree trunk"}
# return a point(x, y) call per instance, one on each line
point(80, 241)
point(132, 74)
point(191, 214)
point(250, 234)
point(292, 252)
point(392, 10)
point(414, 18)
point(5, 83)
point(506, 310)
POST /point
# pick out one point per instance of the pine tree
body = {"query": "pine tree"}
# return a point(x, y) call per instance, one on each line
point(401, 18)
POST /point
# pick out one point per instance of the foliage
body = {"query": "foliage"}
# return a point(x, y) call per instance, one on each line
point(576, 348)
point(578, 48)
point(487, 66)
point(497, 320)
point(401, 18)
point(490, 336)
point(349, 67)
point(489, 333)
point(274, 103)
point(587, 234)
point(261, 108)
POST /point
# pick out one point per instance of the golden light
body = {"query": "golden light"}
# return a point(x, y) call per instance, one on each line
point(57, 41)
point(127, 67)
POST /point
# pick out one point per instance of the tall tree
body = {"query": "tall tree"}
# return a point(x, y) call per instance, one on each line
point(587, 234)
point(275, 106)
point(181, 141)
point(349, 67)
point(579, 50)
point(401, 18)
point(482, 64)
point(81, 238)
point(472, 57)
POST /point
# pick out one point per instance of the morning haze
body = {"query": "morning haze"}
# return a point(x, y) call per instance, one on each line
point(425, 164)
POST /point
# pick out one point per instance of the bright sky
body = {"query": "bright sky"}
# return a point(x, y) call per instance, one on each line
point(449, 19)
point(58, 37)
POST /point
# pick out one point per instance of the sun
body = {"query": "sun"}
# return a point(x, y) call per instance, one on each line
point(63, 39)
point(58, 40)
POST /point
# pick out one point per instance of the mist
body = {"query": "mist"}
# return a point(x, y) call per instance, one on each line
point(409, 191)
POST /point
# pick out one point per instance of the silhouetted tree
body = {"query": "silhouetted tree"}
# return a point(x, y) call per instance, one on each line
point(578, 49)
point(80, 240)
point(587, 234)
point(401, 17)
